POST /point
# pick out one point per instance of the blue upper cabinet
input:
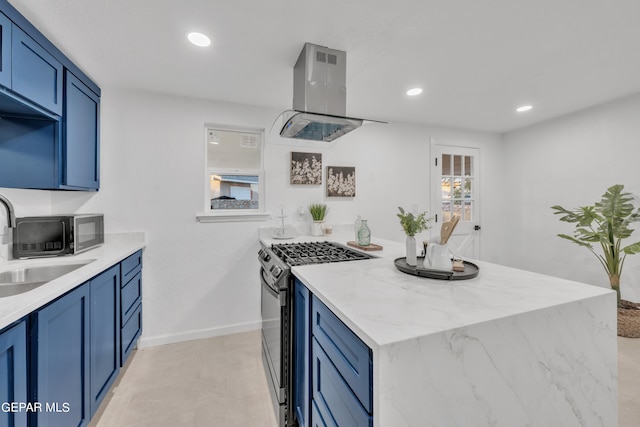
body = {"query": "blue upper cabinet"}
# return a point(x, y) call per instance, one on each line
point(35, 73)
point(5, 51)
point(50, 111)
point(81, 135)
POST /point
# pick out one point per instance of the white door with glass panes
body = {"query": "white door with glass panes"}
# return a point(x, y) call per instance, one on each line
point(455, 191)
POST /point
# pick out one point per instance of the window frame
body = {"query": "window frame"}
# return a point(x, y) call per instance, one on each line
point(228, 215)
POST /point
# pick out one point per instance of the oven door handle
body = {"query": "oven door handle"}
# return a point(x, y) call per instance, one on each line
point(281, 295)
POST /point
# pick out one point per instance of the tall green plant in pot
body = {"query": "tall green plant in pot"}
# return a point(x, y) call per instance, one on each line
point(605, 223)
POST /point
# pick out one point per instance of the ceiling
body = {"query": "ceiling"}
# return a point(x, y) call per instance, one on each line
point(476, 60)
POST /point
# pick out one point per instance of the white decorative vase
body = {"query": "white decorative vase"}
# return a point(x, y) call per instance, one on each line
point(411, 251)
point(317, 228)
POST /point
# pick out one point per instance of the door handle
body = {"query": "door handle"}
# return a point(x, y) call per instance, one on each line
point(476, 227)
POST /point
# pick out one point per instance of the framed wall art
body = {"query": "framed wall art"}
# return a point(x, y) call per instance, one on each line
point(306, 168)
point(341, 181)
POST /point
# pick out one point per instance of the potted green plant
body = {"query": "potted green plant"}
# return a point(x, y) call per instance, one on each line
point(318, 211)
point(412, 225)
point(606, 223)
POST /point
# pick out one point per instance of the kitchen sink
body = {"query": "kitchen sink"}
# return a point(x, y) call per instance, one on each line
point(23, 279)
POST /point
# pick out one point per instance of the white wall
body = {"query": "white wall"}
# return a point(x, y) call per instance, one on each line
point(201, 279)
point(392, 169)
point(570, 161)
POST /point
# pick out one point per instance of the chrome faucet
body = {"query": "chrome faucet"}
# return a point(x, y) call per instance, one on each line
point(11, 223)
point(11, 215)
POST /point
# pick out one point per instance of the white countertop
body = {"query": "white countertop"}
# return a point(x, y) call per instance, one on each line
point(506, 348)
point(383, 305)
point(116, 248)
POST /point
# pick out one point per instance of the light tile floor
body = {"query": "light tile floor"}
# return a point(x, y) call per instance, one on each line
point(210, 382)
point(220, 382)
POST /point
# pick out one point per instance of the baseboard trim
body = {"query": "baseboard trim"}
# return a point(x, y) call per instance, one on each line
point(195, 335)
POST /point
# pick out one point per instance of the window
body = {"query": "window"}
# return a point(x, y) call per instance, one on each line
point(234, 172)
point(457, 184)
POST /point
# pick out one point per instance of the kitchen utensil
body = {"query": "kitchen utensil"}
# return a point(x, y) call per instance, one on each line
point(447, 229)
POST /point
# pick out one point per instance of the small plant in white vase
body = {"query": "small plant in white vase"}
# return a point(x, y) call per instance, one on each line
point(412, 225)
point(318, 211)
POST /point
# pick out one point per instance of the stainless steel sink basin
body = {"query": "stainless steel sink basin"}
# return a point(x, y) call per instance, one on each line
point(24, 279)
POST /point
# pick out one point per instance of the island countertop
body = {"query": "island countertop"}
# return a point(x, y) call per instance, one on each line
point(116, 248)
point(508, 347)
point(383, 305)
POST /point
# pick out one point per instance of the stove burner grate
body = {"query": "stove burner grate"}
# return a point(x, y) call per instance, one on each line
point(315, 253)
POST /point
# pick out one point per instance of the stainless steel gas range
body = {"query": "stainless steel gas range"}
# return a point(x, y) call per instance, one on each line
point(277, 312)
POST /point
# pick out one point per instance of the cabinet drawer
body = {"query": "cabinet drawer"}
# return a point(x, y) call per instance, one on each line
point(130, 333)
point(130, 297)
point(316, 418)
point(334, 399)
point(351, 356)
point(130, 267)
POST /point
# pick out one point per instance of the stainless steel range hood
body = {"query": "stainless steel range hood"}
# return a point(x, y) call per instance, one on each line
point(319, 96)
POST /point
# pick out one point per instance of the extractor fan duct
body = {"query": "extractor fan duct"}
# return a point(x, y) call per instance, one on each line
point(319, 96)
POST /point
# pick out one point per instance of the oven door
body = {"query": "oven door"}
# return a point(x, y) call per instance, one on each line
point(273, 310)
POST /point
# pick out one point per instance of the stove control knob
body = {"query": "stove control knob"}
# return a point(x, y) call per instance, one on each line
point(264, 255)
point(276, 271)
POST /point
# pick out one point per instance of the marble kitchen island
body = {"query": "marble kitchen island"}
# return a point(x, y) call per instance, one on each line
point(507, 348)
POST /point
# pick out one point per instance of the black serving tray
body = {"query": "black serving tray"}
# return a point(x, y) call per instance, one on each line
point(470, 270)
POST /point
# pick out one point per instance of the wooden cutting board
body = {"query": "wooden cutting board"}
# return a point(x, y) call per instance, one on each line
point(371, 247)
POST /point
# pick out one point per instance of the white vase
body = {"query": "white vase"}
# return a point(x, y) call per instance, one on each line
point(317, 228)
point(411, 251)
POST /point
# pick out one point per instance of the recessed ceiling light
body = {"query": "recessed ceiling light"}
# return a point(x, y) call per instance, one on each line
point(415, 91)
point(199, 39)
point(524, 108)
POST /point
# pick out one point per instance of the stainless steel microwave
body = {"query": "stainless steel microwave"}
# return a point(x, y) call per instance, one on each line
point(47, 236)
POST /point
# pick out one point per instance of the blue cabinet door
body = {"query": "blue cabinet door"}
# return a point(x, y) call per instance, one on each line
point(13, 374)
point(63, 360)
point(105, 333)
point(81, 165)
point(301, 328)
point(5, 51)
point(35, 74)
point(333, 398)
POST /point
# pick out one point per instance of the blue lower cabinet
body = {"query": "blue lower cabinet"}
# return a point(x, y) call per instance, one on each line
point(78, 351)
point(13, 375)
point(333, 367)
point(130, 304)
point(301, 353)
point(316, 418)
point(130, 333)
point(63, 360)
point(105, 333)
point(350, 355)
point(336, 403)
